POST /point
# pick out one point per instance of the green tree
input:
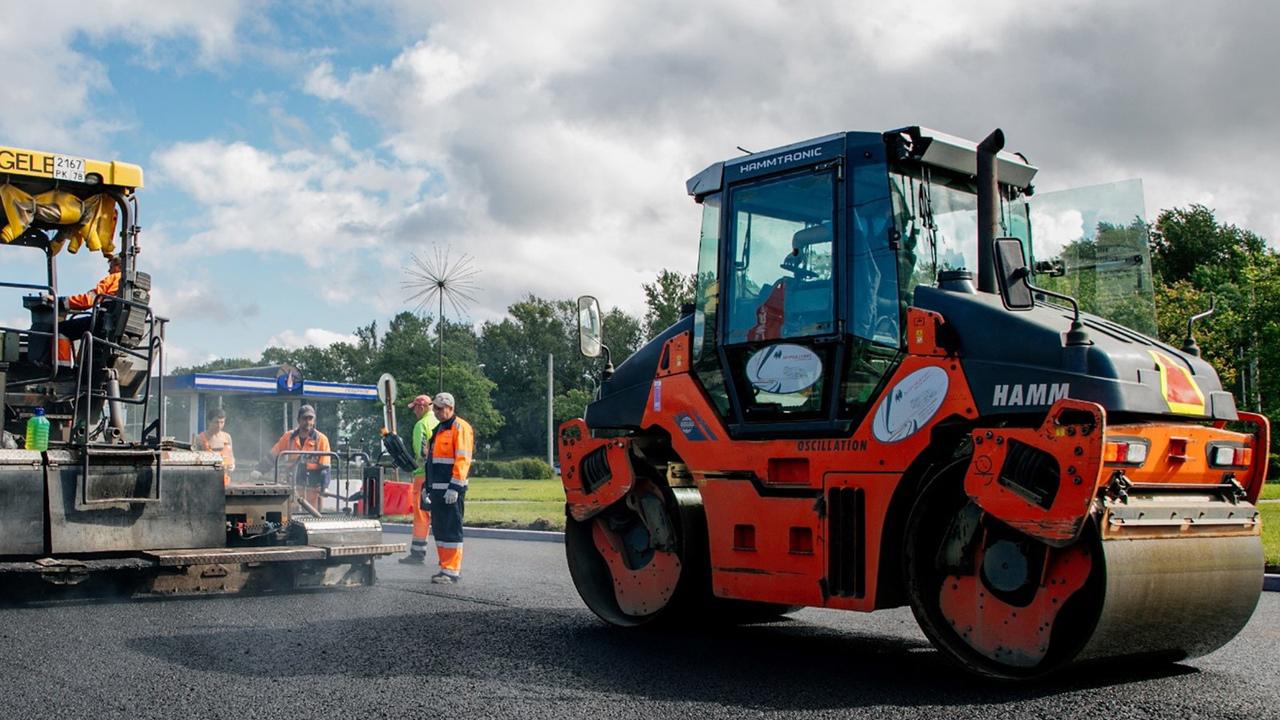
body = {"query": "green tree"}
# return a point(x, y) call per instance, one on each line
point(514, 352)
point(1189, 242)
point(1195, 256)
point(663, 299)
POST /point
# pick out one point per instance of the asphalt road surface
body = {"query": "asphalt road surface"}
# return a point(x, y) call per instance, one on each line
point(514, 641)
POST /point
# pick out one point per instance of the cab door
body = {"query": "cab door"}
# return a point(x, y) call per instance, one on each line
point(780, 325)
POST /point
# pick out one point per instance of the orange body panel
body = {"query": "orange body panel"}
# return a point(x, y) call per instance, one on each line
point(1072, 434)
point(1178, 454)
point(576, 443)
point(877, 492)
point(1016, 634)
point(1261, 453)
point(766, 549)
point(642, 590)
point(724, 470)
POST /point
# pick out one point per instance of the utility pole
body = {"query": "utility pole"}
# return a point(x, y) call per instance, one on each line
point(551, 431)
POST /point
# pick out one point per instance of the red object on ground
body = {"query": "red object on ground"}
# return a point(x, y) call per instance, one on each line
point(395, 498)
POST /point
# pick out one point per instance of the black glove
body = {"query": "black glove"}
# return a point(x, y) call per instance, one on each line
point(424, 499)
point(400, 455)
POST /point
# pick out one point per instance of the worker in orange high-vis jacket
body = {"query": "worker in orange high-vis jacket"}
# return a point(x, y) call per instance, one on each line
point(84, 302)
point(215, 439)
point(421, 407)
point(310, 473)
point(448, 463)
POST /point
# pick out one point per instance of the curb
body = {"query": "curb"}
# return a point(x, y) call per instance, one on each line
point(492, 533)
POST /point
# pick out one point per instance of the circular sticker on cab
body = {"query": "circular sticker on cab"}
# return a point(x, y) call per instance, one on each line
point(784, 368)
point(910, 404)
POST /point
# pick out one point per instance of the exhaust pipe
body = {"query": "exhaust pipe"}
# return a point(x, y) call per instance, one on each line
point(988, 209)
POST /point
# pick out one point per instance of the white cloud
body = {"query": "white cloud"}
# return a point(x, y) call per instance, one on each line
point(1053, 231)
point(315, 207)
point(317, 337)
point(562, 134)
point(551, 141)
point(178, 356)
point(49, 99)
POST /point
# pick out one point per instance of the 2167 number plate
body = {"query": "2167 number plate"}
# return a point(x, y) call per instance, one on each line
point(68, 168)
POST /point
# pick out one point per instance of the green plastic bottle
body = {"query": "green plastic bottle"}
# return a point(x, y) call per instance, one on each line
point(38, 431)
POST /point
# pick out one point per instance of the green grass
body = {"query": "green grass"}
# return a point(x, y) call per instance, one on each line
point(1271, 491)
point(520, 515)
point(521, 504)
point(488, 489)
point(1271, 533)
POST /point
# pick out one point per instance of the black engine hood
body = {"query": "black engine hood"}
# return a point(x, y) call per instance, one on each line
point(623, 396)
point(1018, 362)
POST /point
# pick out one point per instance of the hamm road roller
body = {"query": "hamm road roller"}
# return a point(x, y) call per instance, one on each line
point(888, 392)
point(89, 508)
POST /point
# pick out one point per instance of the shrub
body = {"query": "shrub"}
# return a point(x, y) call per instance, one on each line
point(518, 469)
point(533, 469)
point(486, 468)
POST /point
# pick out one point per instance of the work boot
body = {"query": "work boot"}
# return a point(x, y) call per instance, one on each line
point(413, 559)
point(441, 578)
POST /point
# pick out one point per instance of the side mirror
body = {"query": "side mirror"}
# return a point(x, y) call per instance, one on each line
point(590, 331)
point(1012, 275)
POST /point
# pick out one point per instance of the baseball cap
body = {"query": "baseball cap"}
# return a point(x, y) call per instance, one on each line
point(306, 410)
point(420, 401)
point(443, 399)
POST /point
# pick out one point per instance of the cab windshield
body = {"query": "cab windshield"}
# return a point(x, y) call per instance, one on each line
point(1091, 243)
point(938, 217)
point(781, 279)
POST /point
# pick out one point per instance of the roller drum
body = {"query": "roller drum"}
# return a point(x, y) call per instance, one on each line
point(1184, 596)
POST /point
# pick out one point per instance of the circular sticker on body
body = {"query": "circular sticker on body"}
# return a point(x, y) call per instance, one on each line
point(910, 404)
point(784, 368)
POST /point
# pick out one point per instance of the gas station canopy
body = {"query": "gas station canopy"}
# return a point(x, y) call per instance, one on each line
point(282, 381)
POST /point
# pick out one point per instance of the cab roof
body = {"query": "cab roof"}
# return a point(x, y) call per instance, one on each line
point(913, 143)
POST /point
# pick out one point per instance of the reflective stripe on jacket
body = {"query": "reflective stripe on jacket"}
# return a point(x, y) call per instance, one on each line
point(449, 460)
point(421, 434)
point(315, 441)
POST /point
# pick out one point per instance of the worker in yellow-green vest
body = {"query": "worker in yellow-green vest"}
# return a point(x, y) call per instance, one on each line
point(421, 407)
point(448, 463)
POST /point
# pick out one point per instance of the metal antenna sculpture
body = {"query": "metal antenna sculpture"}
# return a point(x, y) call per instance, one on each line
point(434, 279)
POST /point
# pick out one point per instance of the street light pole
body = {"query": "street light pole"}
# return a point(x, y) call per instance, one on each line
point(551, 366)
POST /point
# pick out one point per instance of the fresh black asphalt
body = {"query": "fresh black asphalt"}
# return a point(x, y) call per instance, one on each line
point(515, 641)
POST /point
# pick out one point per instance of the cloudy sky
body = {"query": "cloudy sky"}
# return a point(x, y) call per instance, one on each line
point(296, 154)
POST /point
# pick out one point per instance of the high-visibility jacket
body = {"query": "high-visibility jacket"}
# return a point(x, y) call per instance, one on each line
point(421, 434)
point(109, 285)
point(219, 442)
point(449, 454)
point(315, 441)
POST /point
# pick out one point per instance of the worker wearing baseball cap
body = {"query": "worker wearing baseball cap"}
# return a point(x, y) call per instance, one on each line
point(312, 475)
point(421, 407)
point(449, 452)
